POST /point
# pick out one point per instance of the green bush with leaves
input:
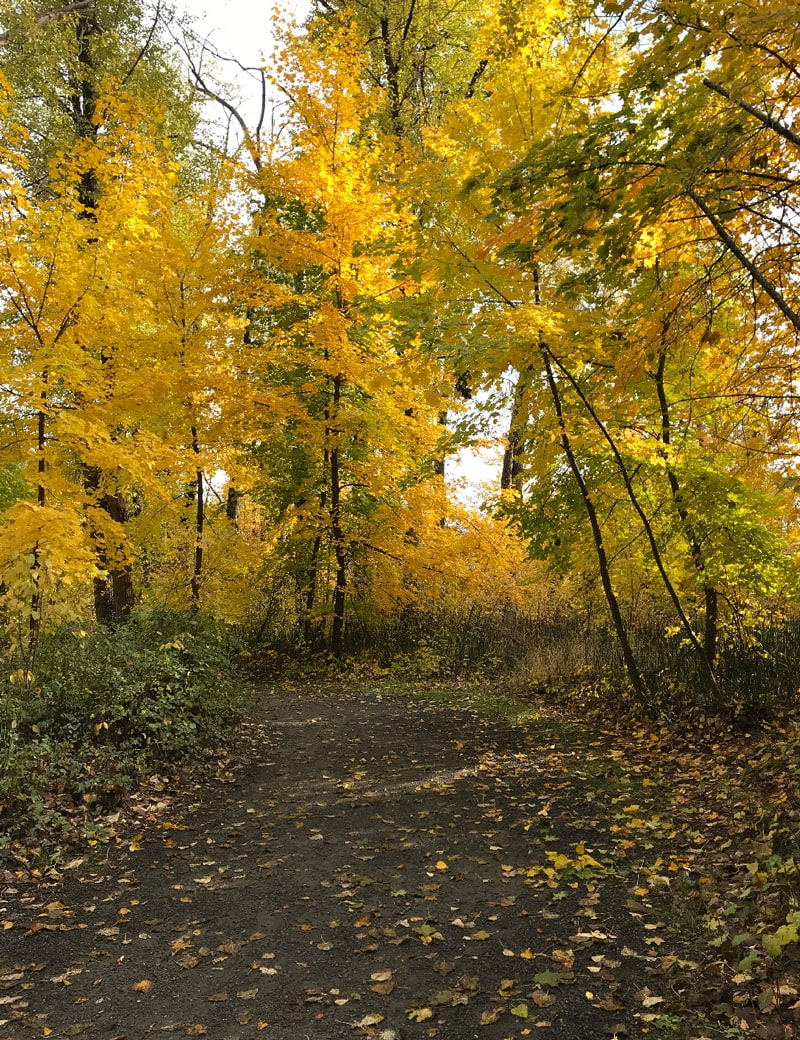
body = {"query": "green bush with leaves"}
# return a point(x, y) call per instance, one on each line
point(99, 709)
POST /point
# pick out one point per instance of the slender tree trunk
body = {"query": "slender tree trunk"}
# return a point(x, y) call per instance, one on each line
point(199, 523)
point(511, 474)
point(232, 501)
point(440, 464)
point(647, 527)
point(113, 596)
point(41, 440)
point(617, 620)
point(711, 612)
point(337, 534)
point(392, 75)
point(311, 628)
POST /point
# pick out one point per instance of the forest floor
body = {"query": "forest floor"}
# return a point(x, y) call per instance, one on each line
point(360, 863)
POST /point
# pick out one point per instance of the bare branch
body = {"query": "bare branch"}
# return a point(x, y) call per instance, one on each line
point(762, 117)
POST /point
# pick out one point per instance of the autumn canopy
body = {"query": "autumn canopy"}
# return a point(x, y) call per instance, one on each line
point(237, 374)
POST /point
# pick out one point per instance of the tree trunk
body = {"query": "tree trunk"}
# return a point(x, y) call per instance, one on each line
point(41, 440)
point(114, 596)
point(337, 534)
point(711, 613)
point(232, 501)
point(705, 665)
point(617, 620)
point(199, 523)
point(511, 474)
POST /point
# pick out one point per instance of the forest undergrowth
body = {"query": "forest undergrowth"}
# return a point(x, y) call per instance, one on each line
point(700, 811)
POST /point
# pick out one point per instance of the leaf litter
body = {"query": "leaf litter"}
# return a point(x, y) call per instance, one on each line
point(632, 879)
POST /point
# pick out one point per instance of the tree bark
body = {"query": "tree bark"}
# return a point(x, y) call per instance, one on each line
point(711, 613)
point(511, 474)
point(232, 501)
point(199, 523)
point(41, 466)
point(617, 620)
point(337, 534)
point(114, 596)
point(705, 665)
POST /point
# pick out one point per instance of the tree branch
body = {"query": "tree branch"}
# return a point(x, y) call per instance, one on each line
point(762, 117)
point(744, 260)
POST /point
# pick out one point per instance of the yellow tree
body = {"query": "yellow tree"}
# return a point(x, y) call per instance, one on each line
point(81, 362)
point(363, 397)
point(588, 209)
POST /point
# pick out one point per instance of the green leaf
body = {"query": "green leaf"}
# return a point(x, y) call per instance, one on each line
point(548, 978)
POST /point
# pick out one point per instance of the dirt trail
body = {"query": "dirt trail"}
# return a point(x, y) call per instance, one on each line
point(375, 867)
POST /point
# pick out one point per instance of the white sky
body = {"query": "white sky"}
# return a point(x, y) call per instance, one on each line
point(242, 28)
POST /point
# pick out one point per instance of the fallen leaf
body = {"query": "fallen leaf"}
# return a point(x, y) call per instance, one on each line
point(542, 999)
point(548, 978)
point(367, 1021)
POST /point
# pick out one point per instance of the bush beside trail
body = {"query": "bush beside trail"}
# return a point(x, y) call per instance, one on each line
point(97, 711)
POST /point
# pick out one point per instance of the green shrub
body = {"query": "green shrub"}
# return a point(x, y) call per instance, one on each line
point(103, 707)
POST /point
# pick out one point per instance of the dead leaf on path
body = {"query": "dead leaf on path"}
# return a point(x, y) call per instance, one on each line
point(542, 999)
point(488, 1017)
point(419, 1014)
point(196, 1030)
point(144, 986)
point(609, 1004)
point(325, 946)
point(218, 998)
point(382, 976)
point(367, 1021)
point(247, 994)
point(383, 989)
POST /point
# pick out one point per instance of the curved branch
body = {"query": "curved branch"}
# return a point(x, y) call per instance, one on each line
point(762, 117)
